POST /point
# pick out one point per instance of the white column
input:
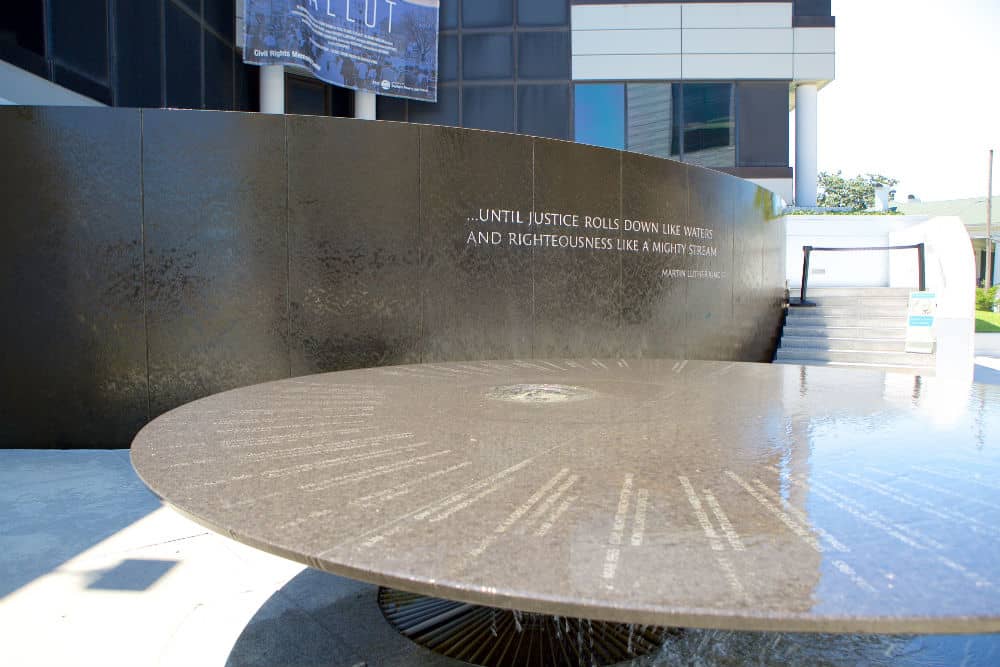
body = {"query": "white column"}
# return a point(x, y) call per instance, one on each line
point(272, 89)
point(805, 145)
point(364, 105)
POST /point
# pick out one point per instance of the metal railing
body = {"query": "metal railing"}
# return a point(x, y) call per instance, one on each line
point(808, 250)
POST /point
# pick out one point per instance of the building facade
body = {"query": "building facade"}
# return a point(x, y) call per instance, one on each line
point(709, 83)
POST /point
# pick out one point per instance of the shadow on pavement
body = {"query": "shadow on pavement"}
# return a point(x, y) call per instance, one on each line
point(55, 505)
point(322, 619)
point(319, 619)
point(132, 574)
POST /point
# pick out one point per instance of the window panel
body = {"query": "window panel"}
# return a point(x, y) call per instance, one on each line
point(442, 112)
point(543, 111)
point(218, 73)
point(543, 12)
point(599, 114)
point(762, 123)
point(137, 33)
point(488, 108)
point(653, 126)
point(80, 36)
point(492, 14)
point(447, 58)
point(220, 15)
point(448, 14)
point(304, 96)
point(183, 59)
point(543, 55)
point(709, 139)
point(488, 56)
point(390, 108)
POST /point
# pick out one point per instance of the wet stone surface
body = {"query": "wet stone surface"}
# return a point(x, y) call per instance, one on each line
point(698, 494)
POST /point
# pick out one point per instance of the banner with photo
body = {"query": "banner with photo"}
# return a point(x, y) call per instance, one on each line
point(389, 47)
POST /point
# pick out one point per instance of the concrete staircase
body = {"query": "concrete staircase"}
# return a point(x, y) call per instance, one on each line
point(861, 327)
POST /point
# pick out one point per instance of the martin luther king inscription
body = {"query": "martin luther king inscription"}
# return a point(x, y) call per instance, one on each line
point(575, 231)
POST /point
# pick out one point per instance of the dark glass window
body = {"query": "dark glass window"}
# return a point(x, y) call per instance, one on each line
point(183, 56)
point(447, 58)
point(137, 34)
point(709, 139)
point(599, 114)
point(218, 73)
point(23, 24)
point(80, 36)
point(653, 126)
point(219, 15)
point(694, 122)
point(448, 14)
point(341, 101)
point(442, 112)
point(543, 12)
point(305, 96)
point(543, 55)
point(488, 56)
point(390, 108)
point(488, 108)
point(543, 110)
point(247, 87)
point(762, 123)
point(487, 13)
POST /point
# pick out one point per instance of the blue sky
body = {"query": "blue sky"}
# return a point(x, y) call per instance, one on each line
point(917, 94)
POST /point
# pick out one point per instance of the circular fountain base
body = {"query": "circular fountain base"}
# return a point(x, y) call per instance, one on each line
point(495, 637)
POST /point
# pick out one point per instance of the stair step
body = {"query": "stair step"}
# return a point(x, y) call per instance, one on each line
point(897, 302)
point(820, 292)
point(809, 330)
point(843, 321)
point(915, 370)
point(849, 311)
point(806, 355)
point(839, 343)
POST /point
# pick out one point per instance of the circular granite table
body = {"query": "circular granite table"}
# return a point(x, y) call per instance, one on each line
point(698, 494)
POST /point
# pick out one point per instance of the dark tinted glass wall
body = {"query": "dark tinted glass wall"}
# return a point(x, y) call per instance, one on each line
point(504, 65)
point(151, 53)
point(147, 53)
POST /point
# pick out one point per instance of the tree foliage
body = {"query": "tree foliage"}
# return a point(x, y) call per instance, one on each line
point(857, 194)
point(986, 297)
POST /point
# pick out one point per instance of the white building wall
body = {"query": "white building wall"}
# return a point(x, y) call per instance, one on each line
point(948, 260)
point(697, 41)
point(850, 269)
point(737, 15)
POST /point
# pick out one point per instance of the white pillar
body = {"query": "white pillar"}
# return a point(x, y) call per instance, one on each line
point(805, 145)
point(272, 89)
point(364, 105)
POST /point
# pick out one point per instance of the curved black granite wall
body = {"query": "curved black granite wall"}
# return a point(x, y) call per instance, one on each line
point(153, 257)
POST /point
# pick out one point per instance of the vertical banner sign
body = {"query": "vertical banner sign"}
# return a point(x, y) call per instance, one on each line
point(389, 47)
point(920, 322)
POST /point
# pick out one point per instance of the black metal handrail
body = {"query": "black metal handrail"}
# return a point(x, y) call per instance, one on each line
point(808, 249)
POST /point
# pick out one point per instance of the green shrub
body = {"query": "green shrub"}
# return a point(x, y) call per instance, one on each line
point(985, 298)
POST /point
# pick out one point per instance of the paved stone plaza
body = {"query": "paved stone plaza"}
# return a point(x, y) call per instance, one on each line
point(133, 584)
